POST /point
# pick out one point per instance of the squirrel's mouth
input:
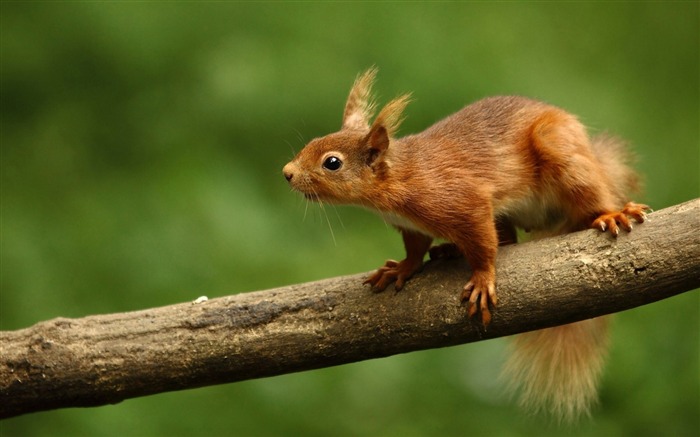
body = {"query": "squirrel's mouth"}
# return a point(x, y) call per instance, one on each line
point(308, 195)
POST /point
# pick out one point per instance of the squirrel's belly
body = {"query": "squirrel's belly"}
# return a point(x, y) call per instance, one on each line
point(402, 222)
point(532, 212)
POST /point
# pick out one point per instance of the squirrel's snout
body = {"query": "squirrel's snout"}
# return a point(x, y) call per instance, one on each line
point(288, 172)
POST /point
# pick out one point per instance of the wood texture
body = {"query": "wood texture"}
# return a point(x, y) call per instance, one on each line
point(105, 359)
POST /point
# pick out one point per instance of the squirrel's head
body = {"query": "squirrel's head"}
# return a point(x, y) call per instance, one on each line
point(345, 166)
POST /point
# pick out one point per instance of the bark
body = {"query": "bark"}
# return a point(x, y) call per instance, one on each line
point(105, 359)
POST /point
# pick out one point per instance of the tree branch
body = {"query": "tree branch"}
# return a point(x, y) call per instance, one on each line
point(104, 359)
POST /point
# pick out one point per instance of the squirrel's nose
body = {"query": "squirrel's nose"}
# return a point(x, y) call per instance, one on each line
point(287, 171)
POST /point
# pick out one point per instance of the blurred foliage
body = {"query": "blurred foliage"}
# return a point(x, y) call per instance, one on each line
point(142, 147)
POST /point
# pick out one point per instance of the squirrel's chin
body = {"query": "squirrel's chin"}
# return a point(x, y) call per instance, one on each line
point(315, 197)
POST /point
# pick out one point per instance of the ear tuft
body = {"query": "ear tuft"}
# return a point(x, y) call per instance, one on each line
point(391, 115)
point(359, 107)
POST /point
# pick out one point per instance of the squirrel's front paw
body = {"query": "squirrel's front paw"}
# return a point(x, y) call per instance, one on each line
point(610, 221)
point(481, 288)
point(399, 271)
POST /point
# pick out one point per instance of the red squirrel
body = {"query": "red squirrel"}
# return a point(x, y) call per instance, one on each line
point(471, 179)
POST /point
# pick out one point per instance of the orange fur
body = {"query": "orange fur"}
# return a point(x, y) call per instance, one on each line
point(471, 178)
point(553, 375)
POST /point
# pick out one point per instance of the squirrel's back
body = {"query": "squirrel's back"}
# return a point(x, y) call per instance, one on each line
point(528, 154)
point(484, 139)
point(489, 138)
point(492, 121)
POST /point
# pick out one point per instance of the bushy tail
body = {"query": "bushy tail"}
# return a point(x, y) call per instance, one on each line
point(557, 369)
point(615, 158)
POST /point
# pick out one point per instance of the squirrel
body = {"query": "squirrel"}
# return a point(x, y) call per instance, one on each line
point(471, 179)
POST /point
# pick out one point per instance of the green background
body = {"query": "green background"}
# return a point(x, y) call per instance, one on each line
point(142, 147)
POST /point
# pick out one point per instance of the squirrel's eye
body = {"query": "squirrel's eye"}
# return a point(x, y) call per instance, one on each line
point(332, 163)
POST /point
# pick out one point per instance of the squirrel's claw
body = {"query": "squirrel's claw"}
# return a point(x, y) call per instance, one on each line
point(393, 271)
point(481, 290)
point(636, 211)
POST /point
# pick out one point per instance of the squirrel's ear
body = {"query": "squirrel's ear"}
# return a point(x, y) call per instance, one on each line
point(359, 106)
point(385, 126)
point(378, 142)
